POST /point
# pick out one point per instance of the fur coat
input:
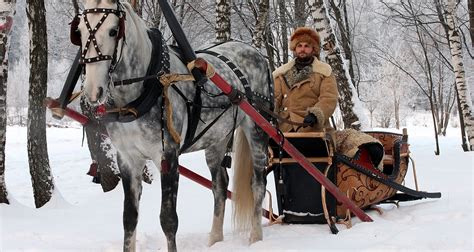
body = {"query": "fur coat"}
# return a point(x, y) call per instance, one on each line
point(311, 90)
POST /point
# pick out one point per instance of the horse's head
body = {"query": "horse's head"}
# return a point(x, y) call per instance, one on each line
point(99, 30)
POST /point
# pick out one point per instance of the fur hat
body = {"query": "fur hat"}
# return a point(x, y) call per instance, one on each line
point(308, 35)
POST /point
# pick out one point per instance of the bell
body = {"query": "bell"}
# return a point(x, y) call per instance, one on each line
point(92, 169)
point(226, 161)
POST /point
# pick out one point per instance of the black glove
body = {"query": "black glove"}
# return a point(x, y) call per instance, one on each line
point(310, 119)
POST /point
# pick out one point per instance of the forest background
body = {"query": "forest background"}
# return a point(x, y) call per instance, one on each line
point(392, 58)
point(396, 52)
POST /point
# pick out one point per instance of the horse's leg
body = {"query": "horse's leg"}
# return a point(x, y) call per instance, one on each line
point(259, 147)
point(131, 173)
point(169, 191)
point(220, 181)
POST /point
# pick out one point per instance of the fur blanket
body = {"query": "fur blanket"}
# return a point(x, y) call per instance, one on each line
point(349, 141)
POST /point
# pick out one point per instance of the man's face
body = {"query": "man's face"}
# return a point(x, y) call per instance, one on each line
point(303, 50)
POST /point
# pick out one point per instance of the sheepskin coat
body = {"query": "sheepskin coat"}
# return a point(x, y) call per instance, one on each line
point(312, 92)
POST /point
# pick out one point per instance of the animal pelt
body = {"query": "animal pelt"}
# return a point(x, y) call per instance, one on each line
point(294, 76)
point(317, 67)
point(349, 141)
point(308, 35)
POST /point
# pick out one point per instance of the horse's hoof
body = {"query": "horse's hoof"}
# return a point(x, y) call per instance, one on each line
point(215, 238)
point(255, 237)
point(254, 240)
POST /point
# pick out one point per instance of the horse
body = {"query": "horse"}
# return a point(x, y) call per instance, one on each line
point(118, 47)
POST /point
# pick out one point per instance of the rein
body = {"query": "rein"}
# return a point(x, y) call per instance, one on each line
point(281, 119)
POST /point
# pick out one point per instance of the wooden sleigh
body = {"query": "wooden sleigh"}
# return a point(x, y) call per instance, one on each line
point(301, 199)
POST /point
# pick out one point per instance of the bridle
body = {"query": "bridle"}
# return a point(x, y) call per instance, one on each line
point(75, 36)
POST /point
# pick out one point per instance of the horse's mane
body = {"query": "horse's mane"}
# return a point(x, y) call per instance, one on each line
point(135, 21)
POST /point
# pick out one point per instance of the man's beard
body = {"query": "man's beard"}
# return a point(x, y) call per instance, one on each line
point(300, 63)
point(308, 59)
point(304, 56)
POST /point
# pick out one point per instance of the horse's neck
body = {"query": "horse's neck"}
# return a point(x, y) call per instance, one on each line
point(133, 61)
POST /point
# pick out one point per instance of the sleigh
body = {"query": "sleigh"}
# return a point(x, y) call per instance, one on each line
point(301, 199)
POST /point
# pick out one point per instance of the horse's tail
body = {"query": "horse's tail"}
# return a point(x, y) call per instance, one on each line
point(242, 196)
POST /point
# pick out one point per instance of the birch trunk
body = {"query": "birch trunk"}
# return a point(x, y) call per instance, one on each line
point(300, 13)
point(464, 96)
point(260, 27)
point(470, 4)
point(341, 21)
point(284, 29)
point(36, 133)
point(223, 21)
point(7, 10)
point(349, 104)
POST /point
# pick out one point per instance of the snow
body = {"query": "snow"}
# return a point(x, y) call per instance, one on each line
point(81, 217)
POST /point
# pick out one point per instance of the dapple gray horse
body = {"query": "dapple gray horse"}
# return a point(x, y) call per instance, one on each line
point(116, 46)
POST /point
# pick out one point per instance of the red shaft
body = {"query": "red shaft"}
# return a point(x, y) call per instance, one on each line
point(54, 104)
point(198, 179)
point(208, 184)
point(287, 146)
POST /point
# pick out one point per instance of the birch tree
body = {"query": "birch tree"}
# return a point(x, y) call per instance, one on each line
point(223, 31)
point(349, 103)
point(284, 29)
point(470, 4)
point(40, 171)
point(341, 19)
point(455, 45)
point(300, 13)
point(261, 25)
point(442, 19)
point(7, 9)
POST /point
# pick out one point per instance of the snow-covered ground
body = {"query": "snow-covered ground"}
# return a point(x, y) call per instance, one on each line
point(83, 218)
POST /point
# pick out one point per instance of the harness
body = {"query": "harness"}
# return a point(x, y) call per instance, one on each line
point(75, 35)
point(196, 105)
point(153, 86)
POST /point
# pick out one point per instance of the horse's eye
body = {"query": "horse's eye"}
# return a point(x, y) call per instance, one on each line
point(113, 32)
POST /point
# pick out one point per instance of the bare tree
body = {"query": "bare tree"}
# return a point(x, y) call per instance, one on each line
point(425, 20)
point(300, 13)
point(470, 4)
point(36, 134)
point(341, 19)
point(7, 9)
point(223, 26)
point(151, 12)
point(284, 29)
point(352, 117)
point(261, 25)
point(455, 45)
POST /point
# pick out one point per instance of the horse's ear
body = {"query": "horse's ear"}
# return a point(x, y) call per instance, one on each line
point(74, 33)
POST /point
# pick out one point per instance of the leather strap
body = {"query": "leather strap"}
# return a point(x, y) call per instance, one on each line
point(383, 179)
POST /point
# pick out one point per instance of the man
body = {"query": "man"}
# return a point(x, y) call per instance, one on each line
point(305, 87)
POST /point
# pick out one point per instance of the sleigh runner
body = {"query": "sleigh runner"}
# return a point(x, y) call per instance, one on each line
point(158, 119)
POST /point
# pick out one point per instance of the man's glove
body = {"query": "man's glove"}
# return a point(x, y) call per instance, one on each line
point(310, 119)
